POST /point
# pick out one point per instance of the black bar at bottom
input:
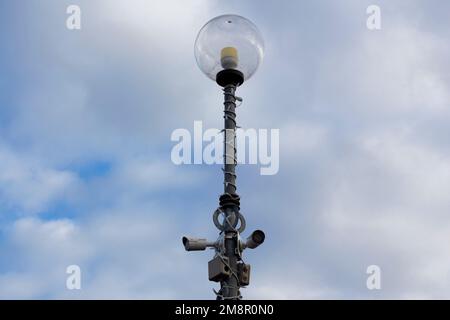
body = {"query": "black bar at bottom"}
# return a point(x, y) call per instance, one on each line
point(245, 309)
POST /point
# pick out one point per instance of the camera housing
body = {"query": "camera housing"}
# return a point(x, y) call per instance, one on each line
point(196, 244)
point(255, 239)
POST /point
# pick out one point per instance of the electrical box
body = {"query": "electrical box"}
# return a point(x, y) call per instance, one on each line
point(244, 274)
point(218, 269)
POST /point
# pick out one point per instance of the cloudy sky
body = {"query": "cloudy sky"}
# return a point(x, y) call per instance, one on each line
point(86, 176)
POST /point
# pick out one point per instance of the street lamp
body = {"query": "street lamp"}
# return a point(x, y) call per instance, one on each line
point(229, 42)
point(229, 49)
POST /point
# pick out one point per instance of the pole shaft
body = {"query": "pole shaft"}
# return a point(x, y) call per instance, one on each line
point(229, 157)
point(230, 287)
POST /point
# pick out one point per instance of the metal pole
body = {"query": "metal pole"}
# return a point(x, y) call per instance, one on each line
point(227, 266)
point(230, 201)
point(229, 155)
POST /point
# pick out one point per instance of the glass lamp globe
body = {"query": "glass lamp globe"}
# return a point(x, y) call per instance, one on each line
point(229, 42)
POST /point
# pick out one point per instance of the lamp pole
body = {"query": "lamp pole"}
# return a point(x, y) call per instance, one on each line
point(229, 201)
point(228, 267)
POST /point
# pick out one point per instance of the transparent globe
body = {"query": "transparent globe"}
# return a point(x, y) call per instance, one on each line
point(229, 42)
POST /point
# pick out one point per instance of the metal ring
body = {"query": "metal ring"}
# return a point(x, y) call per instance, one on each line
point(243, 223)
point(221, 227)
point(216, 219)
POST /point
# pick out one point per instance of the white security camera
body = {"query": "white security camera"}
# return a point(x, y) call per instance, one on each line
point(196, 244)
point(255, 239)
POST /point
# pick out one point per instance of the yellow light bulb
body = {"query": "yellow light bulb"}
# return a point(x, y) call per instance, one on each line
point(229, 58)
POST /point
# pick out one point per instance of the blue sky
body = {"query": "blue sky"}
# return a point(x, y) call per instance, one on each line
point(86, 176)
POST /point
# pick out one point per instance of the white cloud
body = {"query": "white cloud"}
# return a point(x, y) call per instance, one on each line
point(28, 186)
point(301, 138)
point(385, 204)
point(393, 72)
point(42, 251)
point(123, 253)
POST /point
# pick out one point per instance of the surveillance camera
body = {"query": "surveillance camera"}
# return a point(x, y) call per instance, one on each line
point(196, 244)
point(255, 239)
